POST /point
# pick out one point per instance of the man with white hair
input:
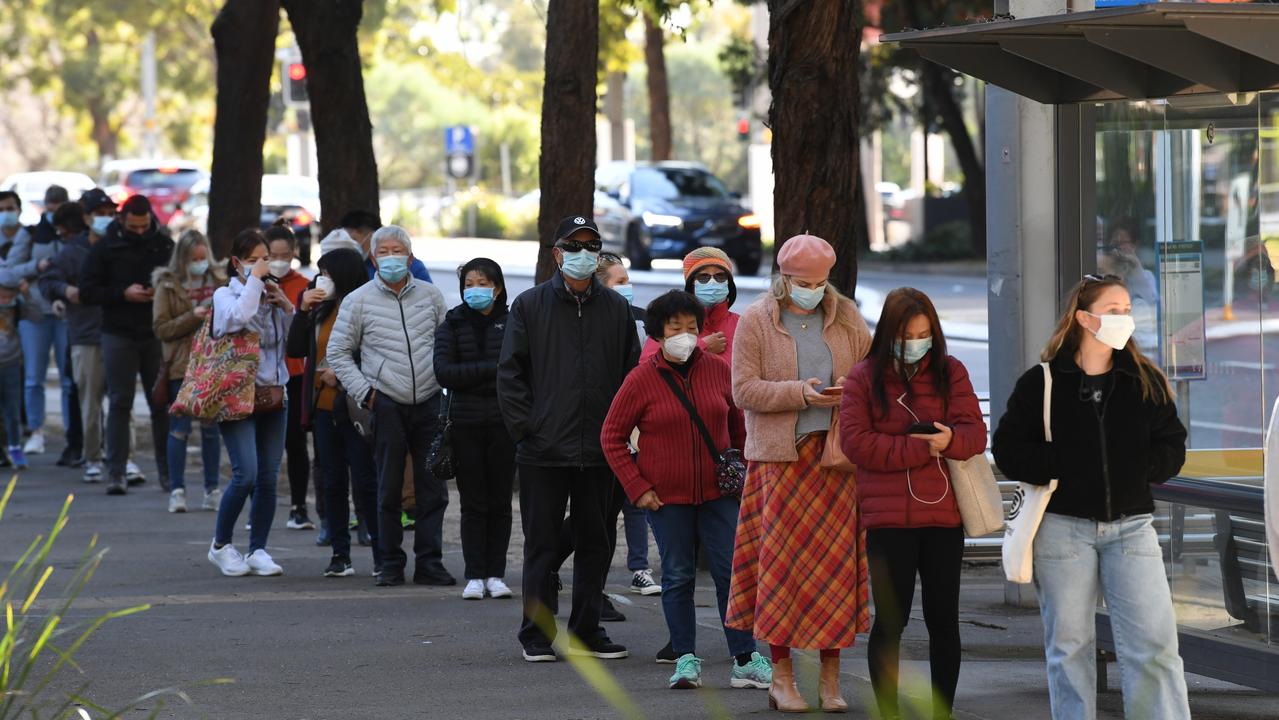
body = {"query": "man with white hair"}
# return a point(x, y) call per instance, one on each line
point(382, 350)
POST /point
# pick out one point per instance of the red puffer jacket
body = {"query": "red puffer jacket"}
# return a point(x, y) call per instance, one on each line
point(899, 485)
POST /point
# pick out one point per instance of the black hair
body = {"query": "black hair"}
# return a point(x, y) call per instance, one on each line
point(70, 217)
point(6, 194)
point(346, 268)
point(669, 305)
point(361, 220)
point(280, 230)
point(136, 205)
point(245, 242)
point(488, 269)
point(732, 286)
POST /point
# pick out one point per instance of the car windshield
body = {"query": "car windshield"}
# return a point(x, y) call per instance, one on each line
point(672, 183)
point(277, 190)
point(162, 178)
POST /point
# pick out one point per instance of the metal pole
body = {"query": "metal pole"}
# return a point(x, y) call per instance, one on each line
point(150, 139)
point(504, 153)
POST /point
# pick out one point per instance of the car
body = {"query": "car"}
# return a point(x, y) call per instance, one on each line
point(295, 197)
point(166, 183)
point(665, 210)
point(30, 186)
point(193, 213)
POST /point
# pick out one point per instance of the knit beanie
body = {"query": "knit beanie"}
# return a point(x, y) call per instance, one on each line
point(806, 256)
point(704, 257)
point(338, 239)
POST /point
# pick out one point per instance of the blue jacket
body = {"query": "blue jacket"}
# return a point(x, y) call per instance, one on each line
point(416, 269)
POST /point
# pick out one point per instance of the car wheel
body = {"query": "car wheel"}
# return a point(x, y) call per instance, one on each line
point(747, 266)
point(635, 250)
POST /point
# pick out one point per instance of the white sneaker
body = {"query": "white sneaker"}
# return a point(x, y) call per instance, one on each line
point(642, 583)
point(93, 472)
point(474, 590)
point(178, 501)
point(212, 498)
point(229, 560)
point(133, 472)
point(497, 588)
point(261, 564)
point(35, 443)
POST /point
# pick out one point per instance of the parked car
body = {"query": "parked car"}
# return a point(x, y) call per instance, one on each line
point(30, 186)
point(664, 210)
point(166, 183)
point(295, 197)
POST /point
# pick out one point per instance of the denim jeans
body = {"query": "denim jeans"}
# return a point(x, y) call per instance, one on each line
point(678, 528)
point(347, 459)
point(635, 524)
point(38, 338)
point(11, 403)
point(1074, 560)
point(255, 445)
point(210, 447)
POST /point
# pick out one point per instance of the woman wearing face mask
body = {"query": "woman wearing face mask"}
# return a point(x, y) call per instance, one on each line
point(467, 346)
point(254, 444)
point(1115, 432)
point(708, 274)
point(907, 408)
point(183, 295)
point(339, 447)
point(612, 274)
point(799, 539)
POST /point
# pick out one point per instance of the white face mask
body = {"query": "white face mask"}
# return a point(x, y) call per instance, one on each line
point(279, 268)
point(680, 347)
point(325, 283)
point(1115, 330)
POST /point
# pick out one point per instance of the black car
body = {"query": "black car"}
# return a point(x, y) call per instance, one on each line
point(665, 210)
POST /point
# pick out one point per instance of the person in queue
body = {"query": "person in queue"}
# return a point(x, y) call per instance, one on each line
point(907, 408)
point(360, 226)
point(1115, 432)
point(799, 538)
point(708, 274)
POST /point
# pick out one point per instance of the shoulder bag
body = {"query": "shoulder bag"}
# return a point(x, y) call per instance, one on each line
point(730, 466)
point(1029, 504)
point(440, 460)
point(219, 382)
point(980, 505)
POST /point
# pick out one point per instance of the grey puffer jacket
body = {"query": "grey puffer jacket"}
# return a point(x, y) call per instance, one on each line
point(23, 262)
point(386, 341)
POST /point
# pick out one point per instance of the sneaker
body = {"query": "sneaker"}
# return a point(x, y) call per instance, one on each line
point(601, 647)
point(437, 577)
point(339, 567)
point(666, 656)
point(70, 457)
point(324, 538)
point(757, 674)
point(407, 522)
point(93, 472)
point(165, 486)
point(688, 673)
point(496, 588)
point(116, 486)
point(35, 443)
point(539, 652)
point(133, 474)
point(178, 501)
point(212, 499)
point(261, 564)
point(608, 613)
point(299, 520)
point(19, 458)
point(642, 583)
point(227, 558)
point(474, 590)
point(362, 534)
point(386, 578)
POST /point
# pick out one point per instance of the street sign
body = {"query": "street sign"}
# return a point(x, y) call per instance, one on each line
point(459, 152)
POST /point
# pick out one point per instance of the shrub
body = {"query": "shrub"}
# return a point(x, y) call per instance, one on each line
point(490, 219)
point(948, 241)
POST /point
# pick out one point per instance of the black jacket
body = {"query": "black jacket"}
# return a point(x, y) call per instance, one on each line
point(114, 263)
point(84, 322)
point(563, 359)
point(1104, 459)
point(467, 347)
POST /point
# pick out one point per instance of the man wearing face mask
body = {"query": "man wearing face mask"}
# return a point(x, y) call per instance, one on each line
point(55, 196)
point(117, 278)
point(382, 350)
point(360, 226)
point(569, 344)
point(11, 230)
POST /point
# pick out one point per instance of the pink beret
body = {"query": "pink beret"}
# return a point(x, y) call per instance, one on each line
point(806, 256)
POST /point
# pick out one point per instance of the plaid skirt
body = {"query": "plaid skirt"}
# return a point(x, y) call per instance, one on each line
point(799, 566)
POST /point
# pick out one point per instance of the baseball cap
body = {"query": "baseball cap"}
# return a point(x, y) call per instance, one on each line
point(95, 198)
point(573, 223)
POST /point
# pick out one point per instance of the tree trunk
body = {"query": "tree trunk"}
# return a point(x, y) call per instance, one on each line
point(567, 162)
point(659, 89)
point(105, 136)
point(813, 74)
point(244, 35)
point(952, 121)
point(327, 34)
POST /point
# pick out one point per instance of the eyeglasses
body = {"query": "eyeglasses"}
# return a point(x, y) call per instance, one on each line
point(1093, 278)
point(705, 277)
point(575, 246)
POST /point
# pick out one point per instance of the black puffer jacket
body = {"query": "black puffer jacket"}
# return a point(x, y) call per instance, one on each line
point(114, 263)
point(563, 360)
point(1104, 461)
point(467, 347)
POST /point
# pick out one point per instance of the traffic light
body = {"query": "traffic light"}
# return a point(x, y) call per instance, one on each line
point(295, 84)
point(744, 129)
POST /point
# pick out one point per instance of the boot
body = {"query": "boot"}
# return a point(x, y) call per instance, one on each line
point(828, 687)
point(783, 695)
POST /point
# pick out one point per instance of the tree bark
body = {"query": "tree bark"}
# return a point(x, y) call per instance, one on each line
point(567, 162)
point(244, 33)
point(327, 35)
point(813, 74)
point(659, 89)
point(952, 121)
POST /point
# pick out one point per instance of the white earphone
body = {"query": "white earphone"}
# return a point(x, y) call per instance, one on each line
point(946, 490)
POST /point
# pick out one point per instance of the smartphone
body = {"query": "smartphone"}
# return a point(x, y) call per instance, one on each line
point(922, 429)
point(833, 390)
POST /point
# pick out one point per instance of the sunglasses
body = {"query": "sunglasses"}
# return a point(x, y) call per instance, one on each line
point(611, 257)
point(575, 246)
point(1093, 278)
point(705, 277)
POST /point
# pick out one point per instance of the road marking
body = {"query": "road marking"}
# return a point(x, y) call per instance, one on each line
point(1228, 428)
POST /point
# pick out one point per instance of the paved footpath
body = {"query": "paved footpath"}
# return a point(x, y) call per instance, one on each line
point(306, 647)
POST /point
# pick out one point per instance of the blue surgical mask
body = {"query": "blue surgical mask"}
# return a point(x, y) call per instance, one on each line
point(626, 291)
point(197, 268)
point(913, 350)
point(711, 293)
point(9, 218)
point(479, 298)
point(580, 265)
point(48, 217)
point(393, 268)
point(806, 298)
point(100, 223)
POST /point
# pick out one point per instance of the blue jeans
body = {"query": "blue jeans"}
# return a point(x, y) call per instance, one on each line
point(635, 524)
point(347, 459)
point(678, 529)
point(1074, 560)
point(38, 337)
point(11, 403)
point(255, 445)
point(210, 447)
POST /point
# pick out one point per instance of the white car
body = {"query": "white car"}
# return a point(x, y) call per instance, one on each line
point(30, 186)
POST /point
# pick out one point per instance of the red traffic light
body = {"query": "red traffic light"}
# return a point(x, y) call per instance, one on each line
point(297, 71)
point(744, 127)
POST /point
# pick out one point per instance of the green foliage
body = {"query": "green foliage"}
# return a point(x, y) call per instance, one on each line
point(489, 217)
point(948, 241)
point(743, 64)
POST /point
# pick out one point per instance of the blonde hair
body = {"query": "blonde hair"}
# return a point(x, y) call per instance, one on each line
point(779, 290)
point(181, 256)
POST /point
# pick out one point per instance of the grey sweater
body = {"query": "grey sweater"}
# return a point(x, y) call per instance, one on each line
point(814, 362)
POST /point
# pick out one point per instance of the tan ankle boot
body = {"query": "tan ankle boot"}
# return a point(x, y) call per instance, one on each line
point(828, 687)
point(783, 695)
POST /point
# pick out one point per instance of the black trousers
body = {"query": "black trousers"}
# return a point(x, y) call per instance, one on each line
point(896, 556)
point(485, 459)
point(299, 462)
point(544, 495)
point(610, 521)
point(400, 431)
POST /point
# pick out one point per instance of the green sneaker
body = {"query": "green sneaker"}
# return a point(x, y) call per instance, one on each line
point(688, 673)
point(758, 673)
point(407, 522)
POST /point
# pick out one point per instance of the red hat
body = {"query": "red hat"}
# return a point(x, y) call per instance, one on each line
point(704, 257)
point(806, 256)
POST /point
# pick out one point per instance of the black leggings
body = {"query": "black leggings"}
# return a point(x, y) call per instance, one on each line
point(295, 446)
point(895, 556)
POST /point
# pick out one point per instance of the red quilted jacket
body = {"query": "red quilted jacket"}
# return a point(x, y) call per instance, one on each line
point(899, 485)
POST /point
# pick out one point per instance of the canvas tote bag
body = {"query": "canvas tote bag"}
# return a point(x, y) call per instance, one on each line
point(980, 505)
point(1029, 504)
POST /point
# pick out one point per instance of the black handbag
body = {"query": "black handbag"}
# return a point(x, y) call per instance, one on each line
point(730, 466)
point(440, 461)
